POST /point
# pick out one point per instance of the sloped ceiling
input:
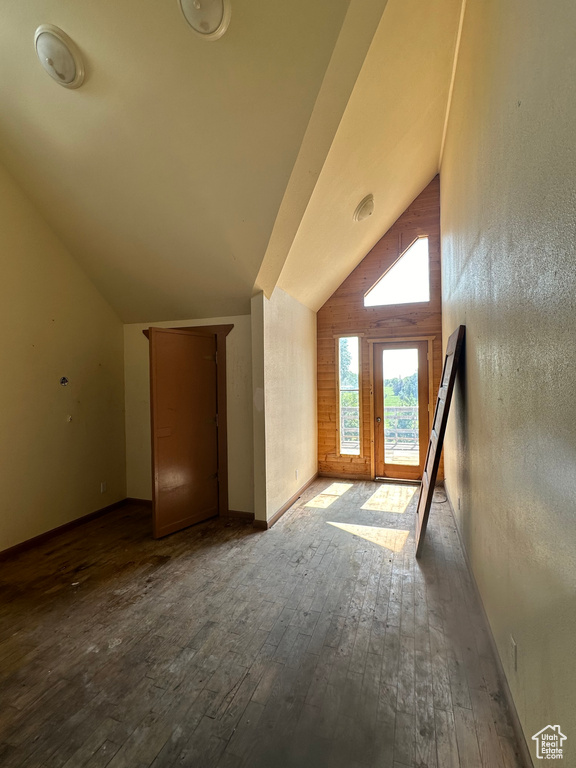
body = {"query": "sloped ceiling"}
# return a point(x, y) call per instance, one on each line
point(164, 172)
point(388, 144)
point(184, 174)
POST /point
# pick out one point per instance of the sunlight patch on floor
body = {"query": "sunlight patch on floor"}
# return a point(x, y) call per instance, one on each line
point(389, 538)
point(391, 498)
point(329, 495)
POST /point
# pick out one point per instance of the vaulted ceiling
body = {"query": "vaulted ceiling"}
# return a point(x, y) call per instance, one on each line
point(388, 144)
point(185, 174)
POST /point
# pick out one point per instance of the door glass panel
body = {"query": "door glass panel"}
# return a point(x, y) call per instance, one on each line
point(401, 438)
point(348, 355)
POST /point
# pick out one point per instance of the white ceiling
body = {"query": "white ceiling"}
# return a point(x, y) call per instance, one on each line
point(388, 144)
point(185, 172)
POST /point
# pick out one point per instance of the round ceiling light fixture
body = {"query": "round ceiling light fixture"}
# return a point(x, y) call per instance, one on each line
point(208, 18)
point(364, 209)
point(59, 56)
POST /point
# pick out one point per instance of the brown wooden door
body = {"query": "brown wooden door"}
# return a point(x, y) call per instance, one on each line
point(184, 428)
point(400, 409)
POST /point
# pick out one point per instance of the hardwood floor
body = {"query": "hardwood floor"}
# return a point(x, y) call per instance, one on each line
point(321, 642)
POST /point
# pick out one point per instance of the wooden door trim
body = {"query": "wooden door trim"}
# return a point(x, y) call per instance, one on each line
point(220, 332)
point(430, 354)
point(198, 330)
point(407, 472)
point(400, 339)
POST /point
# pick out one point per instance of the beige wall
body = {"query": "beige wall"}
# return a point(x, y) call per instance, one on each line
point(55, 324)
point(239, 402)
point(285, 412)
point(509, 273)
point(258, 410)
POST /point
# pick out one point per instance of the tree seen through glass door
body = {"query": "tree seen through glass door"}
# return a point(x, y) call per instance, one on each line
point(401, 435)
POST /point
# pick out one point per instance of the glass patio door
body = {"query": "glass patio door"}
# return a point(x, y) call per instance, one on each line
point(401, 424)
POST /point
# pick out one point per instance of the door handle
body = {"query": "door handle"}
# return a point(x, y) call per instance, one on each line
point(378, 419)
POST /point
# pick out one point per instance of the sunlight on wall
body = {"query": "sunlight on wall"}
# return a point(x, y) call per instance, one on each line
point(389, 538)
point(329, 495)
point(391, 498)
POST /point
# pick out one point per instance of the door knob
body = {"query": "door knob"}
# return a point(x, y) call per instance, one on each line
point(378, 419)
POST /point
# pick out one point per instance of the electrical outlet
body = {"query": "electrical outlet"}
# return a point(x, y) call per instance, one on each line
point(103, 486)
point(296, 473)
point(514, 653)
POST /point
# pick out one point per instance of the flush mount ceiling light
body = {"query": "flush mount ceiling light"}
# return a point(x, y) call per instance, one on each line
point(364, 209)
point(208, 18)
point(59, 56)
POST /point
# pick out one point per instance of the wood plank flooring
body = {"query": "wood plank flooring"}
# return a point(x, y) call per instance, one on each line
point(321, 642)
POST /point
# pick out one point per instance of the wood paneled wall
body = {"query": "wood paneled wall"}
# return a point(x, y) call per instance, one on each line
point(344, 313)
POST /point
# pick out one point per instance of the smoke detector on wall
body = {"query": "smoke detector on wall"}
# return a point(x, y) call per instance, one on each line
point(59, 56)
point(364, 209)
point(208, 18)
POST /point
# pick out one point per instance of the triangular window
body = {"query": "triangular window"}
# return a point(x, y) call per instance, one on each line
point(406, 282)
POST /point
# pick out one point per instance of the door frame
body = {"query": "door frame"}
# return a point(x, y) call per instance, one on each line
point(398, 340)
point(220, 332)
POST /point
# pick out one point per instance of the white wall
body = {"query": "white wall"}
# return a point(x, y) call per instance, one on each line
point(239, 404)
point(285, 411)
point(508, 206)
point(55, 323)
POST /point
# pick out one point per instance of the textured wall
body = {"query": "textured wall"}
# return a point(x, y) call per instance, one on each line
point(258, 410)
point(345, 313)
point(239, 409)
point(55, 323)
point(509, 274)
point(288, 428)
